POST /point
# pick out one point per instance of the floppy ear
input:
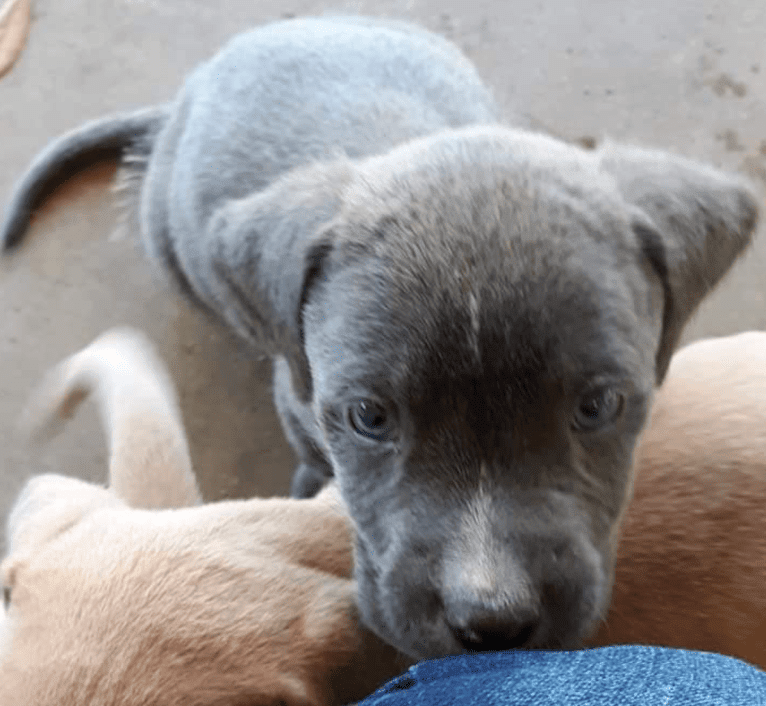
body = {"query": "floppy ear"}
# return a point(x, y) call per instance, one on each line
point(267, 252)
point(693, 223)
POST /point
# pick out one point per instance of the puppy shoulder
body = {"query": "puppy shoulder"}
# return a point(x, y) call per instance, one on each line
point(719, 372)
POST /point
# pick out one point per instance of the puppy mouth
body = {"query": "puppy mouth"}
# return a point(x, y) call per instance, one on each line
point(431, 640)
point(432, 632)
point(516, 628)
point(494, 639)
point(427, 619)
point(532, 635)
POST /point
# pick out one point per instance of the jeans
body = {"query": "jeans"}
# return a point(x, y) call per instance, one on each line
point(607, 676)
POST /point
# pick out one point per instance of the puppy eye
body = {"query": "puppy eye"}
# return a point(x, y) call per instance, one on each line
point(371, 420)
point(6, 597)
point(598, 408)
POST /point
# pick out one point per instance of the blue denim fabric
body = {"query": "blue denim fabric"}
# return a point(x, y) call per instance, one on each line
point(607, 676)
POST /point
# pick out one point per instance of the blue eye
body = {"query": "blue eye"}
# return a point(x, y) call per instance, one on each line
point(597, 409)
point(371, 420)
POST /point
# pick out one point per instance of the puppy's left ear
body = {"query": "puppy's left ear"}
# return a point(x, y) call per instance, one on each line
point(267, 252)
point(693, 222)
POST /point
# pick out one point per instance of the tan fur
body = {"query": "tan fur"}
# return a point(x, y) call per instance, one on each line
point(238, 602)
point(691, 566)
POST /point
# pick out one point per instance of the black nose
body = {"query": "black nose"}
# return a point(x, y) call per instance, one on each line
point(480, 628)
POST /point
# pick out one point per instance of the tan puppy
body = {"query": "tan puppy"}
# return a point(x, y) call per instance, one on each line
point(691, 566)
point(111, 599)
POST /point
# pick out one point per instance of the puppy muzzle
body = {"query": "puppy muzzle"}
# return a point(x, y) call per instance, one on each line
point(547, 596)
point(483, 615)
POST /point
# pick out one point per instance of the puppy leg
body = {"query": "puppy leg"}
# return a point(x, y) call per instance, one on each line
point(149, 464)
point(313, 473)
point(308, 480)
point(298, 421)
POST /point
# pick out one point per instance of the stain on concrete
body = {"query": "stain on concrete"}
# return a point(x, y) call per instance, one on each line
point(754, 167)
point(724, 84)
point(587, 141)
point(730, 139)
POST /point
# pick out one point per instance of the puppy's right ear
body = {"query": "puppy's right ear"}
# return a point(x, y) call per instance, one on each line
point(693, 222)
point(267, 252)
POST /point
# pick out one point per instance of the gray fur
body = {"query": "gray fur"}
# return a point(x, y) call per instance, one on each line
point(99, 139)
point(342, 193)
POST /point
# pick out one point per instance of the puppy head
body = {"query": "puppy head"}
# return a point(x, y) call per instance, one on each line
point(485, 327)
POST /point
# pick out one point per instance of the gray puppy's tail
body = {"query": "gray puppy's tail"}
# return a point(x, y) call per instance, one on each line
point(99, 139)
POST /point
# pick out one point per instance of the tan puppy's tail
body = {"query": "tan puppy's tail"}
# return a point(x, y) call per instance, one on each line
point(149, 461)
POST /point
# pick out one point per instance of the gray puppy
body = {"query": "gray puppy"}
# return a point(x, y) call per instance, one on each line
point(467, 320)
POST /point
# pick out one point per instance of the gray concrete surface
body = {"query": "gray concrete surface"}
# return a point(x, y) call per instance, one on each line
point(688, 76)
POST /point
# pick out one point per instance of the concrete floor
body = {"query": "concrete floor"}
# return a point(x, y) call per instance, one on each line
point(688, 76)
